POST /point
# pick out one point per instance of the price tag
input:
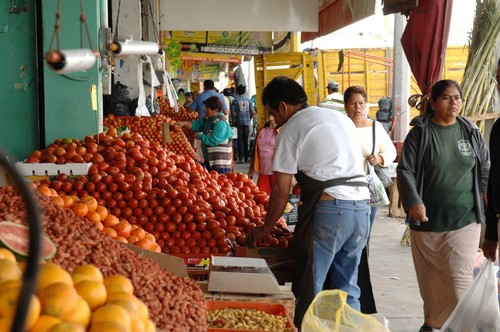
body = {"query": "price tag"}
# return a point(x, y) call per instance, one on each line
point(93, 96)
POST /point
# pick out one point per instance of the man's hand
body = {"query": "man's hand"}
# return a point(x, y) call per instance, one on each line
point(490, 249)
point(256, 234)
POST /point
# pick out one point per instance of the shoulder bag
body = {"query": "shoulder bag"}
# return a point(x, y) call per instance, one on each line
point(379, 170)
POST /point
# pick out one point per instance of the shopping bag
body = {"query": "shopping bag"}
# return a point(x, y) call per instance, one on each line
point(378, 195)
point(478, 309)
point(329, 311)
point(198, 151)
point(383, 176)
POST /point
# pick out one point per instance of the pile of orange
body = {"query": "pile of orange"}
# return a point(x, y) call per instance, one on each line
point(81, 301)
point(88, 208)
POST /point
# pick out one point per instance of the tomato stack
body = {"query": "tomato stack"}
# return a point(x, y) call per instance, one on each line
point(185, 207)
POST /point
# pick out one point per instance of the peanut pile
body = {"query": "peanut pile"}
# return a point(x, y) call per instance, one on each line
point(174, 303)
point(246, 319)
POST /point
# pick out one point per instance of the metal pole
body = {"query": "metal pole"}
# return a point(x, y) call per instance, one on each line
point(401, 83)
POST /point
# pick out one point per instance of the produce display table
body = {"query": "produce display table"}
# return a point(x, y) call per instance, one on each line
point(287, 299)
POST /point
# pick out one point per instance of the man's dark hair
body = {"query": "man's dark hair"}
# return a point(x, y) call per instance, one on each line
point(213, 103)
point(208, 85)
point(241, 89)
point(284, 89)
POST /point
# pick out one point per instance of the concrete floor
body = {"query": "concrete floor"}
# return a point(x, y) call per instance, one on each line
point(393, 276)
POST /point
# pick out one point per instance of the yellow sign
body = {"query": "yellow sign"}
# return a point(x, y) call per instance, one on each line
point(189, 36)
point(93, 96)
point(223, 37)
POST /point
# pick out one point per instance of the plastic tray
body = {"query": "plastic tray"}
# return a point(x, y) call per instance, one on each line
point(27, 169)
point(270, 308)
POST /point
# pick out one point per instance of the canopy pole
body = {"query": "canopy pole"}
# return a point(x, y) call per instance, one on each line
point(401, 83)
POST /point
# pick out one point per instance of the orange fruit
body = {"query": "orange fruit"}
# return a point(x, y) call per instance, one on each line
point(93, 217)
point(102, 211)
point(123, 228)
point(121, 296)
point(121, 239)
point(90, 201)
point(145, 243)
point(50, 273)
point(87, 272)
point(150, 236)
point(44, 323)
point(58, 300)
point(58, 200)
point(93, 292)
point(142, 309)
point(80, 209)
point(110, 231)
point(81, 314)
point(110, 221)
point(8, 305)
point(150, 326)
point(156, 248)
point(111, 313)
point(67, 327)
point(99, 225)
point(68, 201)
point(139, 232)
point(118, 282)
point(45, 190)
point(7, 254)
point(75, 198)
point(132, 239)
point(108, 327)
point(6, 323)
point(9, 270)
point(53, 192)
point(10, 284)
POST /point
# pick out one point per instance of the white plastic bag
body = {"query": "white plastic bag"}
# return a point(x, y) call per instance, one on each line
point(478, 309)
point(378, 195)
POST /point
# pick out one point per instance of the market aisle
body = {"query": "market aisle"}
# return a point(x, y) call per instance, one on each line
point(393, 276)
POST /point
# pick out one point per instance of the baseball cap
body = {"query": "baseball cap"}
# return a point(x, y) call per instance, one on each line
point(332, 85)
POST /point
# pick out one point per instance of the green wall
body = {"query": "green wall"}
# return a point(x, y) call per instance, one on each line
point(19, 132)
point(31, 120)
point(68, 110)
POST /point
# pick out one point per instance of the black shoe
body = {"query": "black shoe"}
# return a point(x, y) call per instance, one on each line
point(425, 328)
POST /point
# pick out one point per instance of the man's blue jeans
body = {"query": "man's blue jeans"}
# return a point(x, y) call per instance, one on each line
point(341, 229)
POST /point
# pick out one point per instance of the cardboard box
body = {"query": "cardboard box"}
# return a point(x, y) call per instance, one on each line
point(241, 275)
point(269, 308)
point(27, 169)
point(280, 260)
point(166, 262)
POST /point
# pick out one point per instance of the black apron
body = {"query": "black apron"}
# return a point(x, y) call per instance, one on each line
point(303, 280)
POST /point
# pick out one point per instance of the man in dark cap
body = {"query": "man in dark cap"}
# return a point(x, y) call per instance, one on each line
point(334, 100)
point(208, 91)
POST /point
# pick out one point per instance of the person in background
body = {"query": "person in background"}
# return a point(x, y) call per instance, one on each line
point(384, 153)
point(189, 100)
point(334, 100)
point(263, 155)
point(242, 112)
point(442, 178)
point(208, 91)
point(181, 96)
point(320, 148)
point(490, 244)
point(215, 134)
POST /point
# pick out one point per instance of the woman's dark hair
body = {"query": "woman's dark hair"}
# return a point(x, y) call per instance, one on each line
point(214, 103)
point(284, 89)
point(354, 90)
point(438, 88)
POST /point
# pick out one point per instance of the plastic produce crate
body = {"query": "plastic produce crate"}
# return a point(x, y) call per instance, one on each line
point(270, 308)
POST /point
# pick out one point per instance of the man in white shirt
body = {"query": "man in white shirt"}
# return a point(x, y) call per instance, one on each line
point(334, 100)
point(320, 149)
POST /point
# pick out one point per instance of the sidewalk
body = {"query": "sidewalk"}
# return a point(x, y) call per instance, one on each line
point(393, 276)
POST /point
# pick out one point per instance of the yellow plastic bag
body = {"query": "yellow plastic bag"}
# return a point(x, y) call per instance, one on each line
point(329, 311)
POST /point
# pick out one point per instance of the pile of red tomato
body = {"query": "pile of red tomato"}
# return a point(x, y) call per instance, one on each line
point(186, 208)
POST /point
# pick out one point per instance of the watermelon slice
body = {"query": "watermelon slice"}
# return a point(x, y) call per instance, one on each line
point(15, 237)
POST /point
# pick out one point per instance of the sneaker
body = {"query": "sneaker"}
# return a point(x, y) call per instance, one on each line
point(425, 328)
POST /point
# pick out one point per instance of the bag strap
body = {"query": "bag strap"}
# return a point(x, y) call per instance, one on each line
point(373, 136)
